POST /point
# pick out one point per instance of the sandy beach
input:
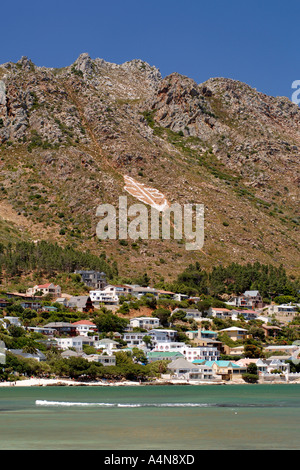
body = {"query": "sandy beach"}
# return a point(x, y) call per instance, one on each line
point(36, 382)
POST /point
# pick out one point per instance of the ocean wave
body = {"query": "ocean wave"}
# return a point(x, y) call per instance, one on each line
point(120, 405)
point(158, 405)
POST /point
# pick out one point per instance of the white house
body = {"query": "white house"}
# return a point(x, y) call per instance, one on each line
point(139, 291)
point(183, 369)
point(162, 335)
point(103, 359)
point(107, 345)
point(285, 348)
point(106, 296)
point(247, 314)
point(123, 290)
point(8, 321)
point(144, 322)
point(217, 312)
point(207, 353)
point(76, 342)
point(283, 313)
point(135, 339)
point(85, 327)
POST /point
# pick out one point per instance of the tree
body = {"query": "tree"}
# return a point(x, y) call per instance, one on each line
point(107, 322)
point(252, 350)
point(163, 314)
point(147, 340)
point(251, 376)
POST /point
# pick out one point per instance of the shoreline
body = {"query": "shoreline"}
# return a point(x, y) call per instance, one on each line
point(34, 382)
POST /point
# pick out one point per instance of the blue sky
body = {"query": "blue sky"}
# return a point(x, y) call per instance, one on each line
point(256, 42)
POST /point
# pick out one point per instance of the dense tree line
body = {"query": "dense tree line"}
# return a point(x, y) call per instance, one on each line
point(235, 278)
point(49, 259)
point(80, 368)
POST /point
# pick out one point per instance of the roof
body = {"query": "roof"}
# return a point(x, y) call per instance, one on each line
point(84, 322)
point(69, 353)
point(107, 341)
point(145, 318)
point(180, 363)
point(165, 292)
point(79, 301)
point(245, 361)
point(218, 309)
point(19, 352)
point(234, 328)
point(270, 327)
point(46, 285)
point(223, 364)
point(251, 293)
point(153, 354)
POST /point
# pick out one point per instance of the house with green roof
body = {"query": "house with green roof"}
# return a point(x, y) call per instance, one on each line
point(228, 370)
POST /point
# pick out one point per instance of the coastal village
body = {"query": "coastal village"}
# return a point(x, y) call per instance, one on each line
point(127, 327)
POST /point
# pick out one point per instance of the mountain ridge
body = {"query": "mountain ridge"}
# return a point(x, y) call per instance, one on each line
point(69, 136)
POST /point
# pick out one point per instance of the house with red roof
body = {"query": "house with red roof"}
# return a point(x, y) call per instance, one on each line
point(84, 327)
point(45, 289)
point(217, 312)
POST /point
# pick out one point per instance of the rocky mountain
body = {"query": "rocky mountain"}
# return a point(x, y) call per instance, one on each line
point(69, 136)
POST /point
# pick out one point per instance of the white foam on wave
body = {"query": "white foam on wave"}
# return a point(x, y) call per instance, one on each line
point(69, 403)
point(120, 405)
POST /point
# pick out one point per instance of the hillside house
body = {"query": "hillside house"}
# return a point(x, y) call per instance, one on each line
point(76, 342)
point(10, 321)
point(246, 314)
point(106, 296)
point(62, 328)
point(145, 322)
point(190, 313)
point(189, 353)
point(283, 313)
point(85, 327)
point(222, 313)
point(235, 333)
point(38, 355)
point(251, 299)
point(271, 330)
point(183, 369)
point(135, 339)
point(93, 279)
point(139, 291)
point(123, 290)
point(103, 359)
point(227, 370)
point(45, 289)
point(107, 346)
point(162, 335)
point(81, 303)
point(255, 298)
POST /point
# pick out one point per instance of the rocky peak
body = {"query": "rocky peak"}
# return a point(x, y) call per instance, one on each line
point(84, 64)
point(25, 63)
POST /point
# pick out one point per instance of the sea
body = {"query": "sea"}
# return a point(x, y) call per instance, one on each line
point(162, 418)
